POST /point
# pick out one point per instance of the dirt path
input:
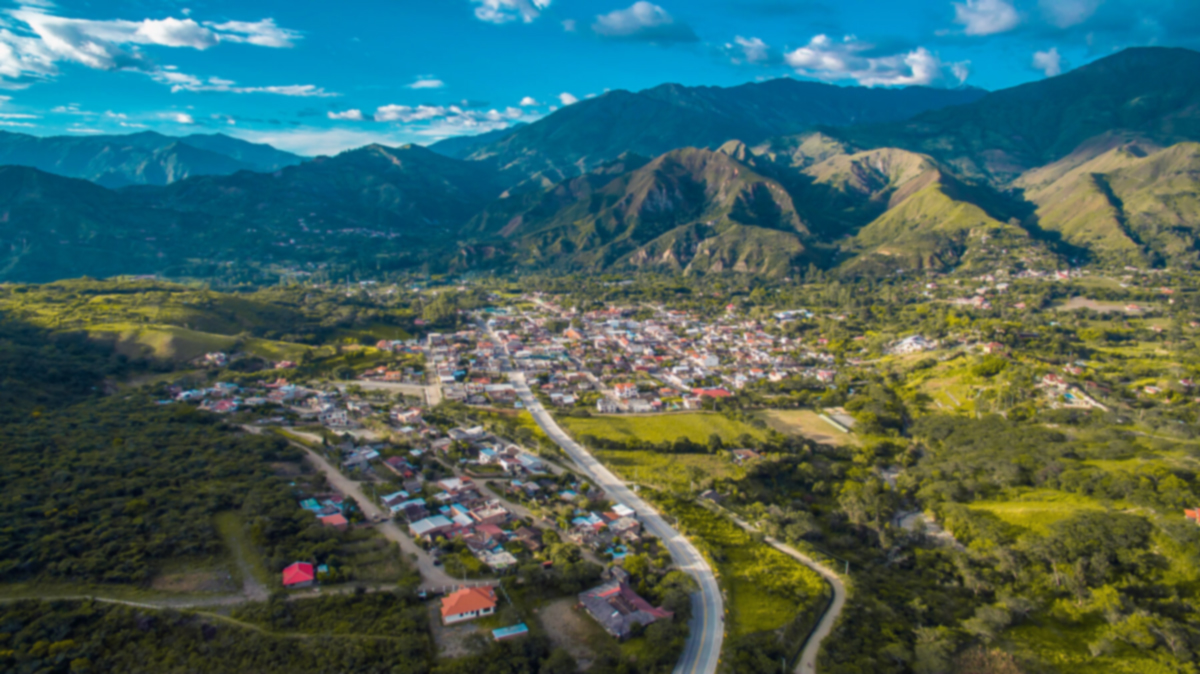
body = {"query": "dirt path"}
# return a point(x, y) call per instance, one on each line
point(432, 577)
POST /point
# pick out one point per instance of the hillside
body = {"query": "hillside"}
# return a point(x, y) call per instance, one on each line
point(145, 158)
point(1151, 92)
point(582, 136)
point(53, 227)
point(675, 210)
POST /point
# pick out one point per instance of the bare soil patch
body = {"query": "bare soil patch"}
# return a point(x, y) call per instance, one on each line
point(571, 629)
point(215, 580)
point(452, 640)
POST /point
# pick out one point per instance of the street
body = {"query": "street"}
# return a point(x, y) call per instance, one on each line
point(702, 652)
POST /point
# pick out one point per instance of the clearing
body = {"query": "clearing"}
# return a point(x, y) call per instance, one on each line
point(807, 423)
point(1037, 510)
point(572, 630)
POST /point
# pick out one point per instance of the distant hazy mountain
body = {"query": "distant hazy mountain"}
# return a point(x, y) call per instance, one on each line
point(406, 190)
point(1150, 92)
point(461, 147)
point(146, 158)
point(582, 136)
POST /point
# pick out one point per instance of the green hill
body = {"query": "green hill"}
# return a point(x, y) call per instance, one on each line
point(1153, 92)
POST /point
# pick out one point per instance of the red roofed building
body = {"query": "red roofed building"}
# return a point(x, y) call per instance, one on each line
point(337, 521)
point(711, 392)
point(299, 574)
point(1193, 515)
point(467, 604)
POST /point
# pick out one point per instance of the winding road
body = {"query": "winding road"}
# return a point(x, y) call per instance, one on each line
point(702, 652)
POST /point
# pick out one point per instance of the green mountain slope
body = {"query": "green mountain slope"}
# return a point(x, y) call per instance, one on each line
point(1151, 92)
point(582, 136)
point(53, 227)
point(673, 206)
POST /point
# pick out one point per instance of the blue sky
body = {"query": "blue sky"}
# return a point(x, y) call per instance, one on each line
point(323, 77)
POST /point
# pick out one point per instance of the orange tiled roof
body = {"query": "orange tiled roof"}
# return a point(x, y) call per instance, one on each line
point(467, 600)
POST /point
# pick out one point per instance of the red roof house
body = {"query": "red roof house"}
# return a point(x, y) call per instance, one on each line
point(299, 574)
point(337, 521)
point(1193, 515)
point(711, 392)
point(467, 604)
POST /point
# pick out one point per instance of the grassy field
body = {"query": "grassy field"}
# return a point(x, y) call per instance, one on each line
point(807, 423)
point(1037, 510)
point(696, 426)
point(672, 472)
point(766, 589)
point(1064, 646)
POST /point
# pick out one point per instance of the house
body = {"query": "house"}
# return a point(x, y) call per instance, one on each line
point(337, 521)
point(711, 392)
point(468, 603)
point(1193, 515)
point(618, 608)
point(299, 574)
point(741, 456)
point(430, 526)
point(607, 406)
point(625, 390)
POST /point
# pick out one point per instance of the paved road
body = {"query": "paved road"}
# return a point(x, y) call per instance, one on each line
point(702, 652)
point(808, 659)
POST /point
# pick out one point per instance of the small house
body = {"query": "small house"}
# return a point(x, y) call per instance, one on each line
point(468, 603)
point(299, 574)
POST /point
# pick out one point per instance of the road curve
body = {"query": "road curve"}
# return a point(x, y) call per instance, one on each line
point(807, 664)
point(702, 652)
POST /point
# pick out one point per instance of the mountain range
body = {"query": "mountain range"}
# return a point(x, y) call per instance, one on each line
point(1100, 164)
point(145, 158)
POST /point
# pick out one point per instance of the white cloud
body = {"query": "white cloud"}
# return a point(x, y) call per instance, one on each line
point(427, 83)
point(827, 59)
point(643, 21)
point(185, 82)
point(181, 118)
point(567, 99)
point(569, 25)
point(405, 113)
point(70, 109)
point(1067, 13)
point(1049, 62)
point(262, 33)
point(132, 125)
point(528, 101)
point(46, 40)
point(83, 129)
point(353, 115)
point(751, 51)
point(986, 17)
point(504, 11)
point(20, 124)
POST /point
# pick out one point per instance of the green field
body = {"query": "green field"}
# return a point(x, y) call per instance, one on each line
point(807, 423)
point(696, 426)
point(1037, 510)
point(766, 589)
point(672, 472)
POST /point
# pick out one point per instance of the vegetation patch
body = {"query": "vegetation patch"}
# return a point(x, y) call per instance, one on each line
point(1037, 510)
point(657, 428)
